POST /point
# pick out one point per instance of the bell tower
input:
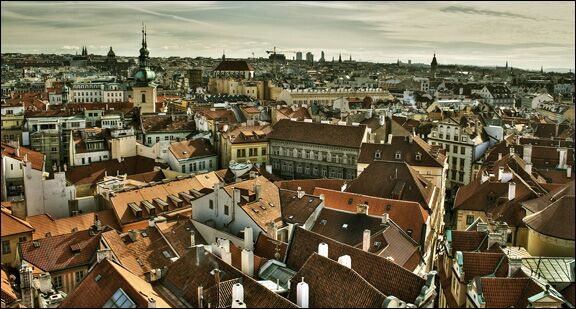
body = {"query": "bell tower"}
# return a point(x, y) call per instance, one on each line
point(144, 90)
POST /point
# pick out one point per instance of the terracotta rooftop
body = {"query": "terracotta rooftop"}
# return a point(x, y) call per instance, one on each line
point(407, 149)
point(267, 247)
point(386, 276)
point(141, 255)
point(105, 280)
point(95, 172)
point(8, 293)
point(192, 149)
point(318, 133)
point(308, 185)
point(542, 202)
point(469, 241)
point(167, 123)
point(36, 158)
point(508, 292)
point(221, 115)
point(408, 215)
point(44, 224)
point(177, 232)
point(248, 134)
point(402, 183)
point(483, 264)
point(556, 220)
point(12, 225)
point(297, 210)
point(300, 113)
point(58, 252)
point(201, 263)
point(332, 285)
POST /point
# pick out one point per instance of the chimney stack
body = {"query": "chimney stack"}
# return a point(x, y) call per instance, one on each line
point(511, 190)
point(563, 156)
point(226, 257)
point(257, 187)
point(390, 138)
point(366, 240)
point(200, 297)
point(302, 294)
point(238, 292)
point(248, 262)
point(217, 276)
point(528, 168)
point(514, 265)
point(499, 156)
point(248, 239)
point(385, 218)
point(345, 260)
point(323, 249)
point(500, 172)
point(527, 153)
point(569, 171)
point(300, 193)
point(192, 239)
point(132, 235)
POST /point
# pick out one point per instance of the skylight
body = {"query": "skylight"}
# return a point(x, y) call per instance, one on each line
point(119, 300)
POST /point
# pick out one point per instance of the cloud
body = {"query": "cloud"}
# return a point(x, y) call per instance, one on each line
point(473, 11)
point(68, 47)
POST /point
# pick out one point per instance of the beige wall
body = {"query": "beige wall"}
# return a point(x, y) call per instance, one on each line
point(10, 258)
point(461, 218)
point(123, 147)
point(542, 245)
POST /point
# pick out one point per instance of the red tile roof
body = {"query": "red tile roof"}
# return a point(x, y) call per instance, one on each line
point(55, 253)
point(407, 149)
point(508, 292)
point(308, 185)
point(318, 133)
point(556, 220)
point(297, 210)
point(46, 224)
point(192, 149)
point(104, 280)
point(12, 225)
point(484, 263)
point(267, 247)
point(36, 158)
point(8, 293)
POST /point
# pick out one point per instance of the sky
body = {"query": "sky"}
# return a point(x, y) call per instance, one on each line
point(526, 34)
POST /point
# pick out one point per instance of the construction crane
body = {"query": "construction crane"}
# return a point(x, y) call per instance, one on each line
point(280, 51)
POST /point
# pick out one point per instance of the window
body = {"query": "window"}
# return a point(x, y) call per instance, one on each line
point(5, 246)
point(441, 135)
point(194, 164)
point(462, 150)
point(210, 164)
point(455, 148)
point(461, 177)
point(461, 163)
point(463, 138)
point(299, 169)
point(398, 155)
point(166, 138)
point(377, 154)
point(211, 204)
point(454, 162)
point(78, 276)
point(418, 156)
point(226, 209)
point(456, 137)
point(143, 98)
point(11, 166)
point(190, 167)
point(509, 238)
point(447, 136)
point(409, 232)
point(22, 239)
point(263, 151)
point(183, 168)
point(469, 219)
point(454, 174)
point(119, 300)
point(149, 140)
point(157, 139)
point(57, 282)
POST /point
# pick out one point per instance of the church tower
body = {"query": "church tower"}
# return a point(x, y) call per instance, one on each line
point(144, 91)
point(433, 66)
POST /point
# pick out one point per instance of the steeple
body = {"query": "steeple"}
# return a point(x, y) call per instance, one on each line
point(223, 55)
point(350, 57)
point(434, 63)
point(144, 53)
point(541, 69)
point(506, 64)
point(340, 58)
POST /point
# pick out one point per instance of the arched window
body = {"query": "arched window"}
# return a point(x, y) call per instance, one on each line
point(143, 98)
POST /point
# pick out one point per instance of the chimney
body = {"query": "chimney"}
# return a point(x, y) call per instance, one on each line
point(527, 153)
point(252, 174)
point(482, 227)
point(362, 209)
point(200, 297)
point(235, 197)
point(563, 156)
point(511, 190)
point(511, 150)
point(528, 168)
point(19, 208)
point(192, 239)
point(390, 138)
point(45, 282)
point(484, 177)
point(514, 265)
point(248, 262)
point(257, 190)
point(302, 294)
point(238, 292)
point(569, 171)
point(300, 193)
point(132, 235)
point(385, 218)
point(18, 150)
point(345, 260)
point(366, 240)
point(499, 156)
point(248, 238)
point(500, 172)
point(382, 120)
point(151, 302)
point(102, 254)
point(323, 249)
point(26, 286)
point(217, 276)
point(151, 222)
point(226, 257)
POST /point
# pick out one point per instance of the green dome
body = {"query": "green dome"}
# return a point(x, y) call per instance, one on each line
point(144, 75)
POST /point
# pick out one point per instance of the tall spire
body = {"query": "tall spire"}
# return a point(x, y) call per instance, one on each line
point(223, 54)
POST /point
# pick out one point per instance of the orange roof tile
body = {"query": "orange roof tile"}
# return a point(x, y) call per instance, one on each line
point(12, 225)
point(45, 224)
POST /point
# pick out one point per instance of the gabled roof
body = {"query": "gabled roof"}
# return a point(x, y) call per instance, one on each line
point(107, 278)
point(267, 247)
point(308, 185)
point(469, 241)
point(332, 285)
point(12, 225)
point(36, 158)
point(402, 182)
point(201, 263)
point(318, 133)
point(556, 220)
point(61, 252)
point(407, 149)
point(44, 224)
point(508, 292)
point(177, 232)
point(483, 264)
point(189, 149)
point(297, 210)
point(386, 276)
point(544, 201)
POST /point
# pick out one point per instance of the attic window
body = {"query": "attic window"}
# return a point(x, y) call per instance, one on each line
point(398, 155)
point(262, 207)
point(377, 244)
point(323, 221)
point(344, 226)
point(388, 207)
point(255, 210)
point(418, 156)
point(310, 200)
point(271, 204)
point(98, 277)
point(166, 254)
point(36, 244)
point(350, 201)
point(377, 154)
point(409, 232)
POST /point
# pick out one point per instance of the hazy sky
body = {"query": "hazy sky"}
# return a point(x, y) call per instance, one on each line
point(527, 34)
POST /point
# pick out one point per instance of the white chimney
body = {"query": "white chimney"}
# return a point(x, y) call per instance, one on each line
point(248, 239)
point(511, 190)
point(382, 120)
point(238, 304)
point(248, 262)
point(151, 302)
point(563, 156)
point(527, 153)
point(528, 168)
point(514, 265)
point(200, 296)
point(192, 239)
point(390, 138)
point(385, 218)
point(366, 240)
point(345, 260)
point(238, 292)
point(226, 257)
point(500, 172)
point(323, 249)
point(499, 156)
point(569, 171)
point(302, 291)
point(45, 282)
point(151, 222)
point(484, 177)
point(300, 193)
point(257, 191)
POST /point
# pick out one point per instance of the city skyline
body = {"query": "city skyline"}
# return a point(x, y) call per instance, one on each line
point(526, 35)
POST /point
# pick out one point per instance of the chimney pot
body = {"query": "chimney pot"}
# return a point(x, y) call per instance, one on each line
point(345, 260)
point(323, 249)
point(569, 171)
point(302, 291)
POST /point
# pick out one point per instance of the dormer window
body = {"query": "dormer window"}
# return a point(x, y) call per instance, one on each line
point(377, 154)
point(398, 155)
point(418, 156)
